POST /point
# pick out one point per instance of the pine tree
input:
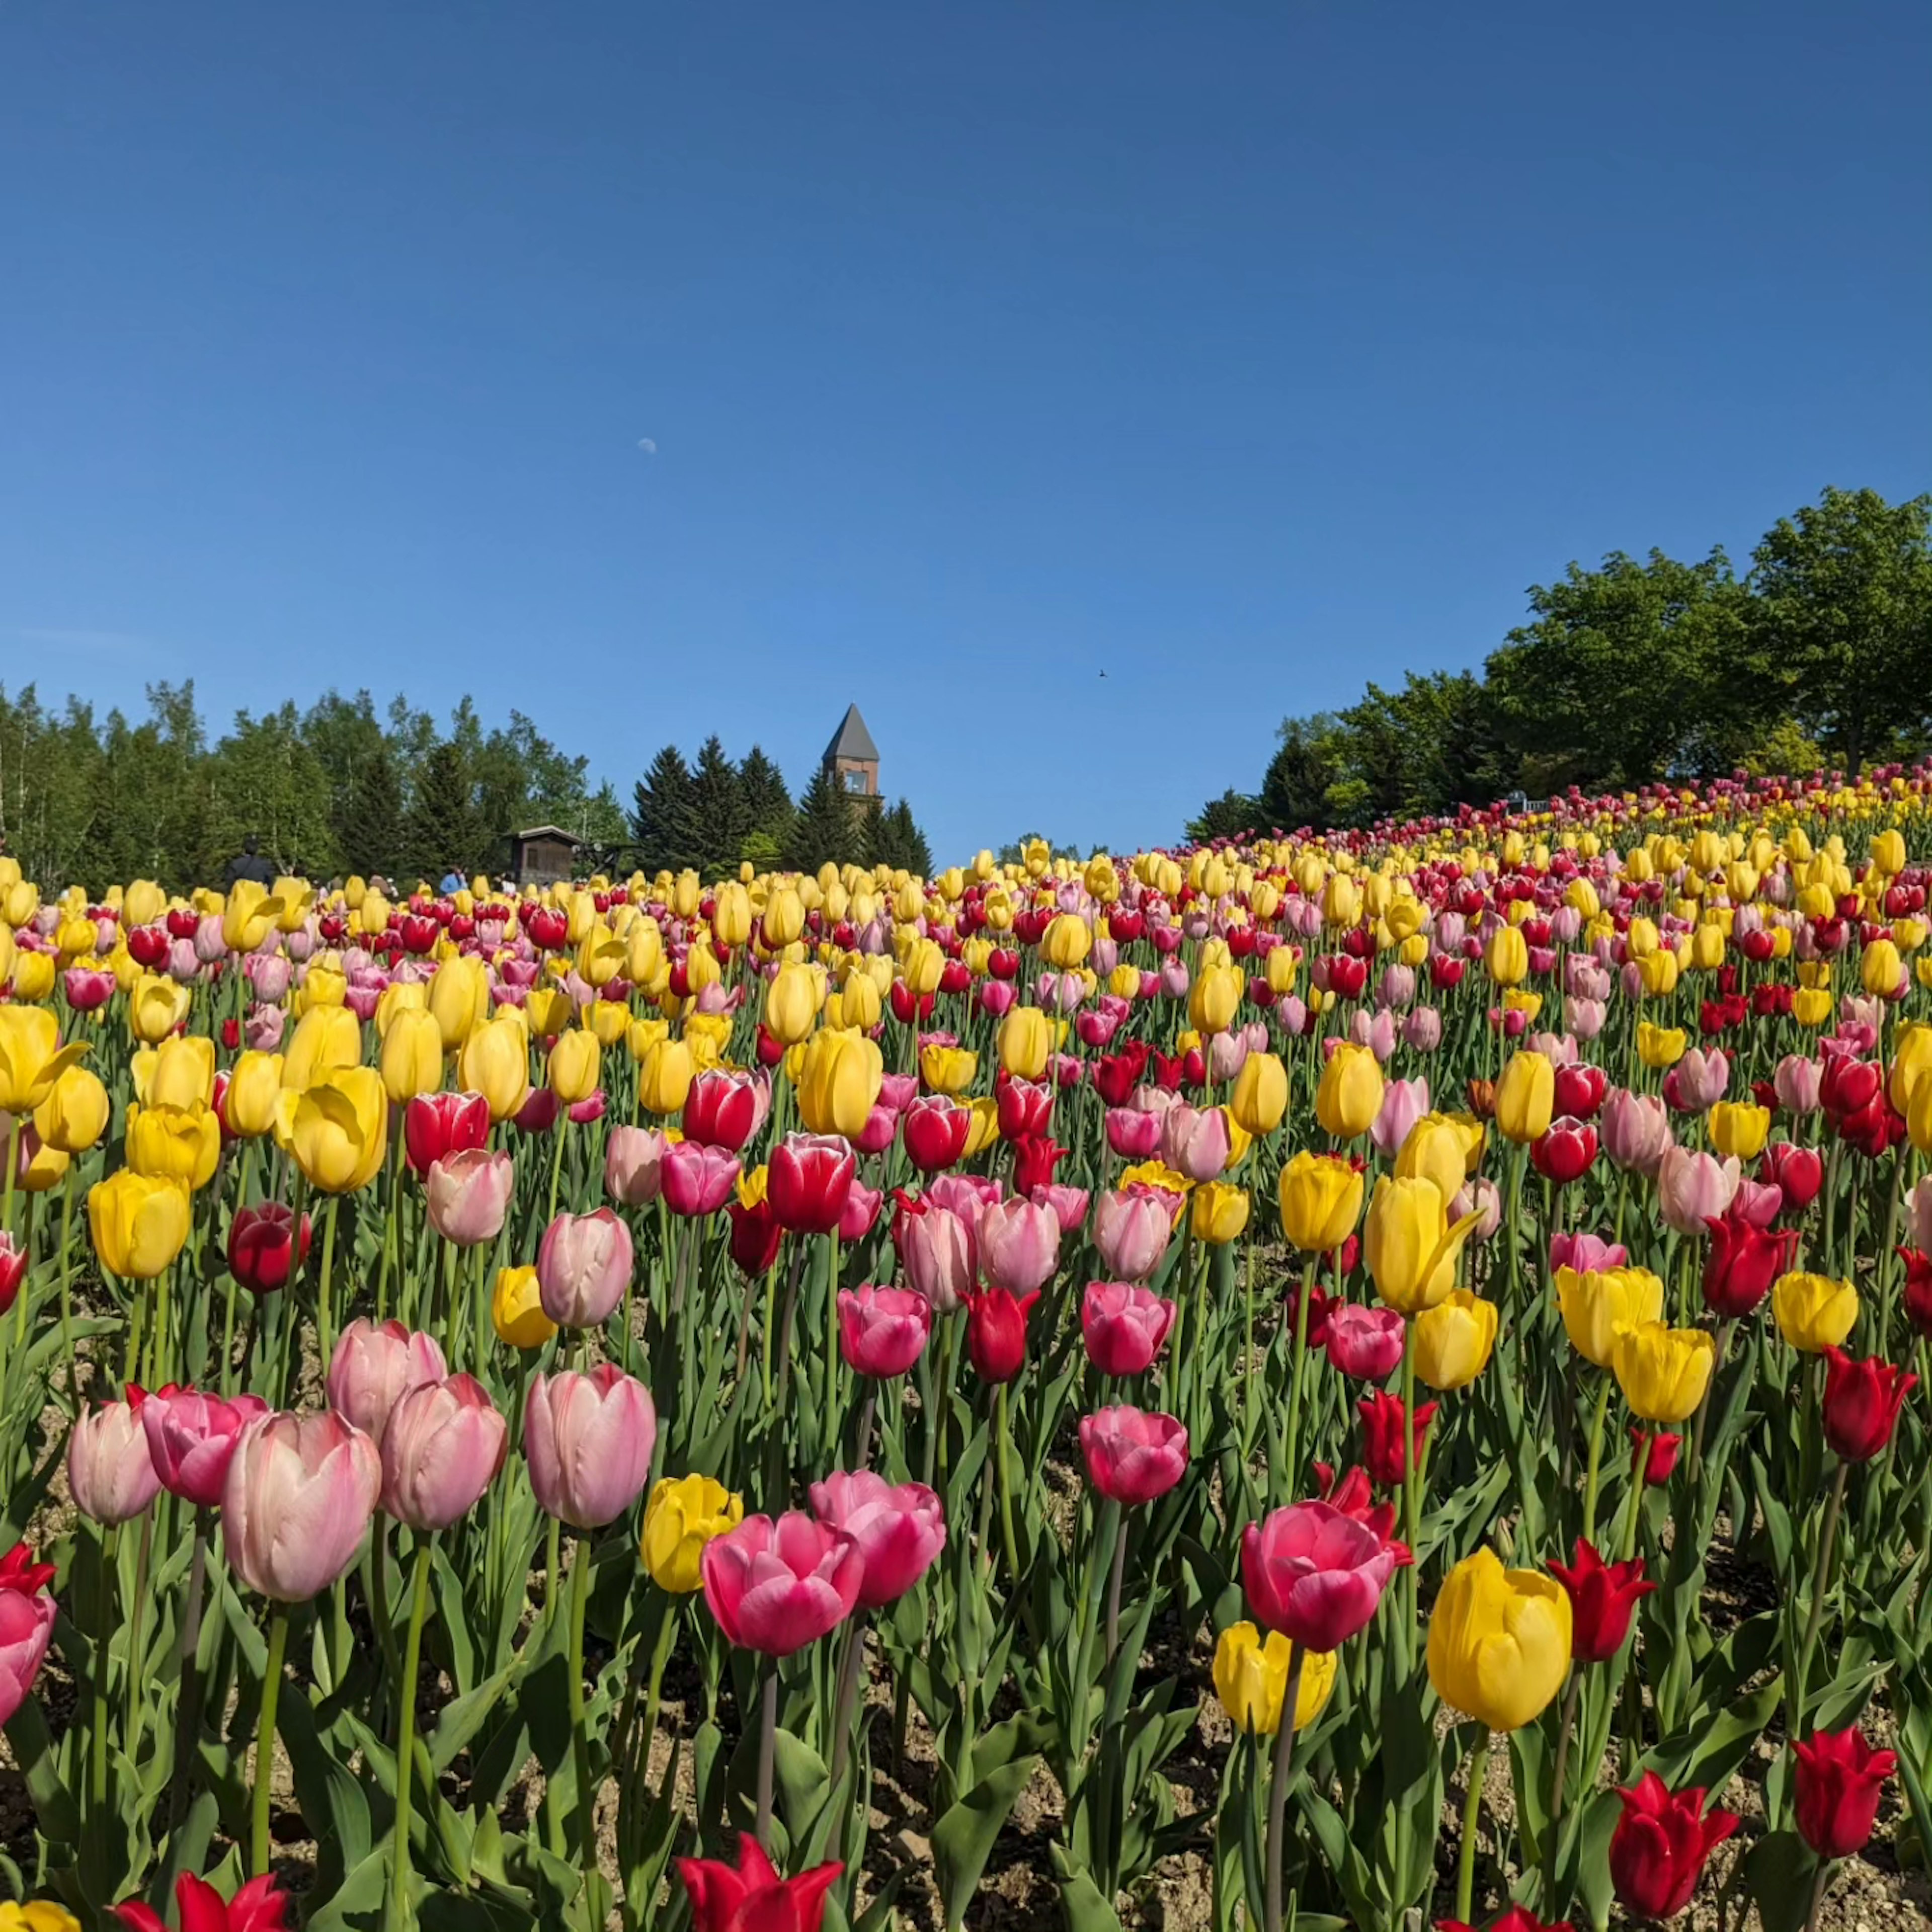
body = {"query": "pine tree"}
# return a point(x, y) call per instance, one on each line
point(718, 809)
point(825, 827)
point(663, 817)
point(442, 829)
point(893, 839)
point(373, 826)
point(767, 800)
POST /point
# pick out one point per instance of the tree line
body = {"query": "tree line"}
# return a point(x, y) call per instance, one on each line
point(1819, 655)
point(345, 787)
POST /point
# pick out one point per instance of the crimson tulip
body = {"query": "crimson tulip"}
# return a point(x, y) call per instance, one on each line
point(720, 1109)
point(807, 1180)
point(1603, 1598)
point(435, 1125)
point(996, 1332)
point(1034, 1159)
point(1661, 1845)
point(756, 1236)
point(1918, 1288)
point(1566, 1152)
point(259, 1906)
point(752, 1895)
point(1123, 1325)
point(263, 1249)
point(1387, 1444)
point(1862, 1402)
point(1580, 1089)
point(935, 1130)
point(1743, 1261)
point(1517, 1918)
point(1797, 1172)
point(1839, 1778)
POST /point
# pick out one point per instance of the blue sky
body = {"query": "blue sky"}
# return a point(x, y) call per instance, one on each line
point(1241, 352)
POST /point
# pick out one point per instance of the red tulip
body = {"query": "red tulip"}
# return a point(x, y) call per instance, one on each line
point(1314, 1574)
point(1321, 1307)
point(1918, 1288)
point(882, 1331)
point(1352, 1497)
point(935, 1128)
point(13, 1270)
point(1862, 1401)
point(259, 1906)
point(435, 1125)
point(1026, 1108)
point(1386, 1445)
point(996, 1332)
point(263, 1249)
point(1839, 1778)
point(1517, 1918)
point(1603, 1598)
point(1567, 1152)
point(753, 1895)
point(1660, 1457)
point(756, 1236)
point(1132, 1456)
point(1661, 1846)
point(1580, 1089)
point(1034, 1159)
point(775, 1587)
point(1798, 1173)
point(808, 1180)
point(721, 1108)
point(1743, 1262)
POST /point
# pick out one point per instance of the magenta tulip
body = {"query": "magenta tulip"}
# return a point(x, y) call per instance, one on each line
point(588, 1440)
point(775, 1587)
point(1132, 1455)
point(1366, 1342)
point(1314, 1574)
point(1123, 1326)
point(191, 1439)
point(899, 1529)
point(27, 1614)
point(444, 1444)
point(882, 1331)
point(300, 1492)
point(698, 1180)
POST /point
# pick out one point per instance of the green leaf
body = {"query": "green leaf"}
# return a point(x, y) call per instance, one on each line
point(962, 1840)
point(1080, 1899)
point(1777, 1876)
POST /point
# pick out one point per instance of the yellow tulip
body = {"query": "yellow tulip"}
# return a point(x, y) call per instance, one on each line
point(1880, 969)
point(1320, 1201)
point(495, 1062)
point(411, 1058)
point(1259, 1102)
point(1659, 1047)
point(39, 1914)
point(325, 1040)
point(1597, 1308)
point(947, 1070)
point(1739, 1127)
point(177, 1073)
point(1811, 1006)
point(791, 1004)
point(1350, 1095)
point(684, 1514)
point(1887, 853)
point(1220, 1212)
point(1436, 1149)
point(1214, 1000)
point(1251, 1679)
point(402, 996)
point(985, 1128)
point(516, 1310)
point(1663, 1372)
point(1454, 1340)
point(839, 1083)
point(31, 1057)
point(784, 917)
point(1911, 1063)
point(1065, 943)
point(1813, 1312)
point(42, 1168)
point(576, 1063)
point(155, 1007)
point(664, 1076)
point(1411, 1246)
point(1918, 1119)
point(139, 1223)
point(339, 1129)
point(459, 997)
point(1506, 957)
point(324, 987)
point(255, 1088)
point(922, 965)
point(181, 1143)
point(1498, 1642)
point(1526, 1098)
point(1024, 1040)
point(548, 1010)
point(247, 914)
point(75, 1113)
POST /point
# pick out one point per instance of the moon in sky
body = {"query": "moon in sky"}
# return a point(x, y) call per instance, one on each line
point(647, 445)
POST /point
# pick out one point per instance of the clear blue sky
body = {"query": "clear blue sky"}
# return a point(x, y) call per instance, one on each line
point(1244, 353)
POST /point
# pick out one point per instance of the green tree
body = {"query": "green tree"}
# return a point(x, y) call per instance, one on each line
point(825, 827)
point(1844, 592)
point(1307, 761)
point(723, 820)
point(893, 839)
point(372, 831)
point(664, 818)
point(263, 780)
point(767, 800)
point(1232, 815)
point(443, 831)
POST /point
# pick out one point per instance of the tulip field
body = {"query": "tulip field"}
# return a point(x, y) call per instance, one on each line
point(1353, 1381)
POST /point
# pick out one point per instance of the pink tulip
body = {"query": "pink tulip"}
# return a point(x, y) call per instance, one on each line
point(698, 1180)
point(1635, 1130)
point(1067, 1203)
point(1314, 1574)
point(1019, 1246)
point(1798, 1081)
point(965, 1195)
point(1584, 1017)
point(1131, 1231)
point(109, 1472)
point(997, 996)
point(300, 1492)
point(588, 1440)
point(1422, 1031)
point(1693, 1188)
point(1195, 1144)
point(539, 1112)
point(1132, 1134)
point(1132, 1455)
point(1366, 1342)
point(583, 1265)
point(373, 1368)
point(882, 1331)
point(1481, 1198)
point(1757, 1203)
point(856, 1219)
point(444, 1444)
point(775, 1587)
point(899, 1529)
point(27, 1615)
point(1918, 1214)
point(467, 1195)
point(1396, 987)
point(1123, 1326)
point(1404, 1102)
point(1587, 1254)
point(191, 1439)
point(633, 1166)
point(938, 1251)
point(1376, 1031)
point(897, 1091)
point(1698, 1080)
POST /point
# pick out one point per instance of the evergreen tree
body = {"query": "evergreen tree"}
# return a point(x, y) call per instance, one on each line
point(718, 809)
point(1230, 816)
point(767, 800)
point(664, 819)
point(443, 832)
point(371, 831)
point(825, 827)
point(893, 839)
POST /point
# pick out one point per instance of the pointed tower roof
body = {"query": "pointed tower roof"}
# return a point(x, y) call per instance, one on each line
point(851, 739)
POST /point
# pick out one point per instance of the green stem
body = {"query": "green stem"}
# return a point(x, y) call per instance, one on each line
point(406, 1742)
point(1278, 1784)
point(1472, 1805)
point(1821, 1584)
point(1291, 1473)
point(265, 1740)
point(1002, 1448)
point(1591, 1474)
point(579, 1737)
